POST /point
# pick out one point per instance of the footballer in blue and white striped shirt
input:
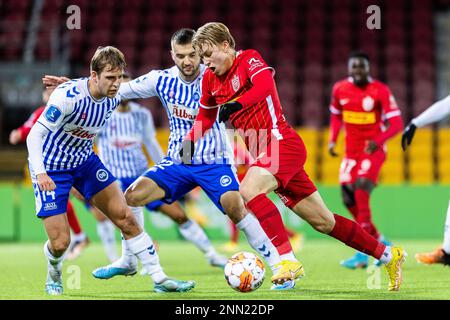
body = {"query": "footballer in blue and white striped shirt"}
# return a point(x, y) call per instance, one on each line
point(61, 157)
point(119, 147)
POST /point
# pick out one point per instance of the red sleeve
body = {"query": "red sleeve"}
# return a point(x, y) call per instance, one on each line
point(391, 113)
point(336, 115)
point(26, 127)
point(335, 127)
point(253, 64)
point(395, 126)
point(263, 84)
point(207, 100)
point(335, 106)
point(208, 111)
point(203, 122)
point(388, 104)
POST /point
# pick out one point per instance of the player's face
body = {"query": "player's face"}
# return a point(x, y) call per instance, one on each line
point(186, 59)
point(108, 81)
point(358, 69)
point(216, 58)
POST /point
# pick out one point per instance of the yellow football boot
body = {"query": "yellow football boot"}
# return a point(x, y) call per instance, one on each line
point(394, 268)
point(288, 270)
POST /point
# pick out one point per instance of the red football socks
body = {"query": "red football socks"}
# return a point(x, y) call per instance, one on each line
point(73, 220)
point(364, 215)
point(270, 219)
point(353, 235)
point(234, 236)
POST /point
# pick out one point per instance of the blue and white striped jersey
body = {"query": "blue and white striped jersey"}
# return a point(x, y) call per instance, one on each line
point(120, 142)
point(73, 118)
point(181, 100)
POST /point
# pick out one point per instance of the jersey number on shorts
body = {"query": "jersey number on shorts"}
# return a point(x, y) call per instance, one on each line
point(347, 166)
point(48, 193)
point(164, 163)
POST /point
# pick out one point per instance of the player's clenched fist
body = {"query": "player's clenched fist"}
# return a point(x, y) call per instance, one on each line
point(45, 183)
point(228, 109)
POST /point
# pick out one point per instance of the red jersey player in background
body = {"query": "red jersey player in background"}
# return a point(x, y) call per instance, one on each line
point(367, 110)
point(243, 161)
point(19, 135)
point(239, 86)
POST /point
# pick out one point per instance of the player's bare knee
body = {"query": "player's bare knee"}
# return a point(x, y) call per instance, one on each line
point(233, 205)
point(179, 219)
point(248, 192)
point(59, 246)
point(132, 198)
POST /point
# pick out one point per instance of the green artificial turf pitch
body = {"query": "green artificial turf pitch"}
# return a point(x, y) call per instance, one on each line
point(23, 272)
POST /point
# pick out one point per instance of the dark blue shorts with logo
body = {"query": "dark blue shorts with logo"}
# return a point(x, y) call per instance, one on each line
point(89, 178)
point(178, 179)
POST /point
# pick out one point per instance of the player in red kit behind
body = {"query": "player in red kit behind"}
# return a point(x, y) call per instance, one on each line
point(240, 87)
point(362, 106)
point(19, 135)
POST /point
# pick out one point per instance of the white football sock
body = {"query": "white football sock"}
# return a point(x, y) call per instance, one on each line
point(258, 240)
point(387, 255)
point(55, 262)
point(51, 258)
point(288, 256)
point(128, 259)
point(192, 232)
point(106, 232)
point(54, 265)
point(139, 215)
point(446, 244)
point(142, 246)
point(79, 237)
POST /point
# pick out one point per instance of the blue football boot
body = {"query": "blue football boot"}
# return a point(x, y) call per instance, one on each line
point(173, 285)
point(287, 285)
point(359, 260)
point(109, 271)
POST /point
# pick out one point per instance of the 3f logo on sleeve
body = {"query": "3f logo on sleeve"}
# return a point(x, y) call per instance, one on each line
point(254, 63)
point(53, 114)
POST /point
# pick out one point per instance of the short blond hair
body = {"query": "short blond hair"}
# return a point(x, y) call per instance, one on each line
point(105, 56)
point(212, 33)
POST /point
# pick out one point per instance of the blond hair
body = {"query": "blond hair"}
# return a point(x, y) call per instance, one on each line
point(107, 56)
point(212, 33)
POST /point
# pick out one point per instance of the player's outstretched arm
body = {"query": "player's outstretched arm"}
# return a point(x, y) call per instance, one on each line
point(203, 122)
point(141, 87)
point(436, 112)
point(395, 127)
point(51, 82)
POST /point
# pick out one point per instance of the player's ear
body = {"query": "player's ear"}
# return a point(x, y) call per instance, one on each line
point(225, 45)
point(94, 76)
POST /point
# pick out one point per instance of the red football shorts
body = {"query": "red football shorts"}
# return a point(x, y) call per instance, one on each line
point(285, 159)
point(362, 166)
